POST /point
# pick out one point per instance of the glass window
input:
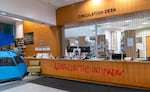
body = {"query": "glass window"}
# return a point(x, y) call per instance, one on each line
point(82, 38)
point(6, 62)
point(18, 59)
point(129, 35)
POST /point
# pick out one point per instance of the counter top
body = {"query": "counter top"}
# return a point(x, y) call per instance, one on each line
point(129, 73)
point(89, 60)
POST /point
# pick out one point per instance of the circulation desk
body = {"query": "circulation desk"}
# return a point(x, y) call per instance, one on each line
point(135, 74)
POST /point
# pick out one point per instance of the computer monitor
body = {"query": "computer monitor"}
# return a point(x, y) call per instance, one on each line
point(70, 48)
point(85, 48)
point(118, 56)
point(77, 51)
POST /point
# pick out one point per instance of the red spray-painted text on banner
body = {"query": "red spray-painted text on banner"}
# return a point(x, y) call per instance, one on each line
point(88, 69)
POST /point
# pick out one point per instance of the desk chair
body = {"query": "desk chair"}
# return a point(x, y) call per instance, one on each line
point(34, 67)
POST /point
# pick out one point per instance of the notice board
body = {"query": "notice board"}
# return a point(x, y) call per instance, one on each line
point(29, 38)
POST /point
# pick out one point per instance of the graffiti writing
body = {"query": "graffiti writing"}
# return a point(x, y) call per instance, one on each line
point(88, 69)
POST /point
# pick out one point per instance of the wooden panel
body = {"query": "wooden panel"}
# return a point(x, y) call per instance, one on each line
point(70, 14)
point(81, 41)
point(148, 46)
point(123, 73)
point(50, 35)
point(130, 50)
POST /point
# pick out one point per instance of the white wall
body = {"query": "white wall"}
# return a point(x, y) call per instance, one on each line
point(31, 9)
point(19, 30)
point(142, 46)
point(108, 39)
point(116, 43)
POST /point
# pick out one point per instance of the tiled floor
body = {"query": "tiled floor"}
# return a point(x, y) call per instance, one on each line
point(25, 86)
point(16, 83)
point(31, 87)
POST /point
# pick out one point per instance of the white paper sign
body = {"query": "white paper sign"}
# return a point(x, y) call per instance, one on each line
point(130, 42)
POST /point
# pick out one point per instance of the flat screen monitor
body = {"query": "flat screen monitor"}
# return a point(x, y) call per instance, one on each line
point(118, 56)
point(85, 48)
point(70, 48)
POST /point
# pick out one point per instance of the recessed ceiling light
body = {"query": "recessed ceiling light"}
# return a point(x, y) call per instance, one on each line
point(144, 23)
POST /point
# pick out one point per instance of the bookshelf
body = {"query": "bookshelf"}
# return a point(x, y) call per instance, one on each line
point(19, 43)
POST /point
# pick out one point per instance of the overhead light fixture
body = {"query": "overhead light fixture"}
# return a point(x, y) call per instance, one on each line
point(3, 13)
point(96, 1)
point(17, 19)
point(127, 20)
point(144, 23)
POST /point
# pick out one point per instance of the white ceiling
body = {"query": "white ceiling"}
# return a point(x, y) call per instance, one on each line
point(55, 3)
point(60, 3)
point(6, 19)
point(122, 25)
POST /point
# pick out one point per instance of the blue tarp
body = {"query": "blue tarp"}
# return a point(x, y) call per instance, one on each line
point(6, 39)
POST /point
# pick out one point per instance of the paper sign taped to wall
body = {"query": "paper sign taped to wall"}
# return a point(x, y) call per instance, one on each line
point(129, 42)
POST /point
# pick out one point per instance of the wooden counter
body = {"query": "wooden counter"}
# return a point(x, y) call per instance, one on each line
point(28, 59)
point(135, 74)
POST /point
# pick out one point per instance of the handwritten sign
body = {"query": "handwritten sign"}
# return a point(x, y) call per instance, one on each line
point(103, 71)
